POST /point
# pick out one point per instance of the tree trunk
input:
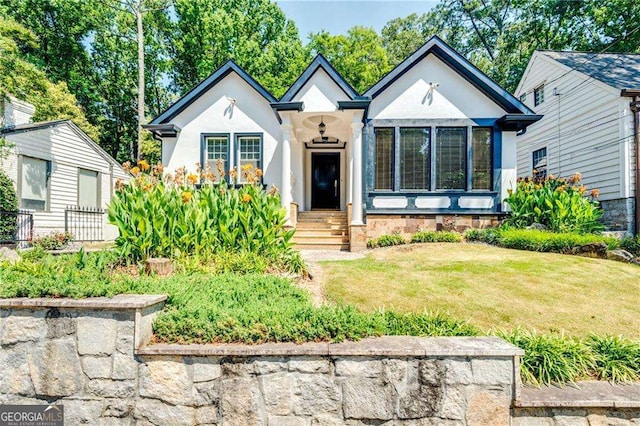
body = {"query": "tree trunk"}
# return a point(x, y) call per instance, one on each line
point(141, 118)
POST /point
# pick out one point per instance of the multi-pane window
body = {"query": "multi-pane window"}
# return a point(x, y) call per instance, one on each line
point(481, 164)
point(217, 149)
point(538, 95)
point(384, 159)
point(249, 152)
point(88, 188)
point(523, 97)
point(451, 157)
point(415, 158)
point(34, 187)
point(540, 163)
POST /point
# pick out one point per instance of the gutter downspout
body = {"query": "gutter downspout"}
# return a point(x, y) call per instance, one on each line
point(635, 108)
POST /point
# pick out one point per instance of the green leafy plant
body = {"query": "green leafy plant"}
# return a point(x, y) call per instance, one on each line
point(631, 244)
point(8, 206)
point(192, 215)
point(53, 241)
point(561, 204)
point(386, 240)
point(436, 237)
point(616, 358)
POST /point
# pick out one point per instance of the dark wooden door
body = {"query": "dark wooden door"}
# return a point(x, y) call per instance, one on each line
point(325, 180)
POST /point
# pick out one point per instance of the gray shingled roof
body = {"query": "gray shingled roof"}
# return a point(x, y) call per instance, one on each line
point(619, 70)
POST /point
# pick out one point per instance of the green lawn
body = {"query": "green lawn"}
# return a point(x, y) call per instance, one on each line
point(494, 287)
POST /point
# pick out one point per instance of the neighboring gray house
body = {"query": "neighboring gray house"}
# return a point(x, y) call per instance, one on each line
point(63, 178)
point(590, 105)
point(431, 145)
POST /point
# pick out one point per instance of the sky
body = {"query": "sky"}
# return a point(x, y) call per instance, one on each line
point(338, 16)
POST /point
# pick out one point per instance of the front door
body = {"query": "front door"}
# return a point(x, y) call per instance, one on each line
point(325, 180)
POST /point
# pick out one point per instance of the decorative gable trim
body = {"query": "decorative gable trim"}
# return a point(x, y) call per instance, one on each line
point(462, 66)
point(206, 85)
point(320, 62)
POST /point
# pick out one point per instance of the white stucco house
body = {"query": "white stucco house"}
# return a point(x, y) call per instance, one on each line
point(64, 180)
point(431, 145)
point(590, 104)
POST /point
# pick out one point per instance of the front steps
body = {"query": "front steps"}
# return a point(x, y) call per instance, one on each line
point(322, 230)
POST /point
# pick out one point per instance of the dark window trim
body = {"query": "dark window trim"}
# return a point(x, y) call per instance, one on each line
point(236, 151)
point(491, 165)
point(431, 161)
point(203, 149)
point(47, 203)
point(533, 162)
point(466, 159)
point(538, 95)
point(98, 183)
point(393, 159)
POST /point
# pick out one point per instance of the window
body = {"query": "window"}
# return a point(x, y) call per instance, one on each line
point(481, 161)
point(249, 152)
point(216, 149)
point(415, 158)
point(523, 97)
point(540, 163)
point(88, 188)
point(384, 159)
point(34, 189)
point(538, 95)
point(451, 155)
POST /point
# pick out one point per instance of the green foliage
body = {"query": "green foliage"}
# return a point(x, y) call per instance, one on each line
point(53, 241)
point(386, 241)
point(436, 237)
point(616, 358)
point(631, 244)
point(535, 240)
point(550, 358)
point(171, 218)
point(8, 203)
point(558, 203)
point(426, 324)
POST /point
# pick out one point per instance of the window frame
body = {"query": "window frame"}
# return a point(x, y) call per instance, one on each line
point(204, 151)
point(491, 159)
point(523, 97)
point(98, 187)
point(466, 154)
point(393, 158)
point(538, 95)
point(533, 163)
point(237, 156)
point(47, 201)
point(430, 165)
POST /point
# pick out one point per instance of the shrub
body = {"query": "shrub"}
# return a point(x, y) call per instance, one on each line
point(53, 241)
point(8, 203)
point(386, 241)
point(616, 358)
point(631, 244)
point(436, 237)
point(558, 203)
point(192, 215)
point(488, 236)
point(550, 358)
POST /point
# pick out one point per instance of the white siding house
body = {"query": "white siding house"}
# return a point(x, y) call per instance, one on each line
point(57, 170)
point(431, 144)
point(588, 125)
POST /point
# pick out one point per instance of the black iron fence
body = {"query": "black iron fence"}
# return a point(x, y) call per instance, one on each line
point(15, 226)
point(84, 223)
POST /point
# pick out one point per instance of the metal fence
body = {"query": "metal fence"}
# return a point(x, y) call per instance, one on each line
point(16, 226)
point(84, 223)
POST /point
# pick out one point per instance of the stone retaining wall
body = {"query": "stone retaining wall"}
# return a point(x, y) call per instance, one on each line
point(92, 356)
point(617, 215)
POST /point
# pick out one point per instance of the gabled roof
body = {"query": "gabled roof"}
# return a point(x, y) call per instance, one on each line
point(320, 62)
point(462, 66)
point(618, 70)
point(207, 84)
point(29, 127)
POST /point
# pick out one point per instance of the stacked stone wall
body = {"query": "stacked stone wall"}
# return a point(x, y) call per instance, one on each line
point(617, 215)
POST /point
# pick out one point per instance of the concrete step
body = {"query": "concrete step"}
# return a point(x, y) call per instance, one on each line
point(322, 246)
point(320, 232)
point(322, 215)
point(324, 239)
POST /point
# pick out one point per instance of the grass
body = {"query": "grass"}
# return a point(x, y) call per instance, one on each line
point(494, 287)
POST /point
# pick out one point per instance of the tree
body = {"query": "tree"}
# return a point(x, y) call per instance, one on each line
point(26, 81)
point(255, 33)
point(359, 56)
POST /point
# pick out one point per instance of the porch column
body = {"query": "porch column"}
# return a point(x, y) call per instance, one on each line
point(285, 191)
point(356, 193)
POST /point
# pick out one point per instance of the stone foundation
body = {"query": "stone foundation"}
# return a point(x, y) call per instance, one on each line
point(406, 225)
point(618, 214)
point(92, 356)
